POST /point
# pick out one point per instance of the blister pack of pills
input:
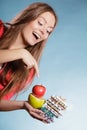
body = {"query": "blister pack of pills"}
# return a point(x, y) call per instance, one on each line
point(53, 107)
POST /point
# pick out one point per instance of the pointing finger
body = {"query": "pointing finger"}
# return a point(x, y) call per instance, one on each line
point(37, 69)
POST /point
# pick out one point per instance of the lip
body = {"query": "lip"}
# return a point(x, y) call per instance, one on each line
point(36, 35)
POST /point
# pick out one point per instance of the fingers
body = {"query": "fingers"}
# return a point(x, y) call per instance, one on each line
point(29, 61)
point(38, 114)
point(39, 117)
point(36, 69)
point(34, 64)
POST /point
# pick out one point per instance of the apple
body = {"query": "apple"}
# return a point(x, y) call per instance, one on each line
point(39, 90)
point(35, 102)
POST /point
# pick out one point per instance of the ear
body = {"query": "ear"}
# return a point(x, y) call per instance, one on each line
point(1, 28)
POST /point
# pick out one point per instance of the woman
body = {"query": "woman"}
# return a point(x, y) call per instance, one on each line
point(21, 46)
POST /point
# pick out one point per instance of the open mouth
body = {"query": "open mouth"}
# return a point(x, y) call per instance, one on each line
point(36, 35)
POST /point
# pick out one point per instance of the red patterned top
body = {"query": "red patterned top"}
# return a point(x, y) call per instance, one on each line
point(1, 28)
point(9, 95)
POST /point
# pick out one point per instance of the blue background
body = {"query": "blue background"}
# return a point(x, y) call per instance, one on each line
point(63, 67)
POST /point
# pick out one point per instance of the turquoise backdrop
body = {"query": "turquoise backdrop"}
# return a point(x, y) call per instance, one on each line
point(63, 68)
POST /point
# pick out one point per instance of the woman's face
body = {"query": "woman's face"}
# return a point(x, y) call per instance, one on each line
point(39, 29)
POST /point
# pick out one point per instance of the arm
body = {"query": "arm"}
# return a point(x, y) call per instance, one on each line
point(19, 105)
point(16, 54)
point(11, 105)
point(11, 55)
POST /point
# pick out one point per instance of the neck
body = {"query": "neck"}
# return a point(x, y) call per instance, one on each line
point(18, 43)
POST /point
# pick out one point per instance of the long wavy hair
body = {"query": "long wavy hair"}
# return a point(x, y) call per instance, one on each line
point(19, 74)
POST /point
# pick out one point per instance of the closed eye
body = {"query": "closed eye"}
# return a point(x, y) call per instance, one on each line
point(40, 23)
point(49, 32)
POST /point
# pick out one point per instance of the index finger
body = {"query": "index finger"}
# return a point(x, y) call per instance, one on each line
point(36, 69)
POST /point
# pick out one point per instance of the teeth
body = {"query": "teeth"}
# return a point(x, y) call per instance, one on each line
point(36, 35)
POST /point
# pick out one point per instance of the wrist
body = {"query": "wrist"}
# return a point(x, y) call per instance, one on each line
point(23, 53)
point(22, 105)
point(27, 106)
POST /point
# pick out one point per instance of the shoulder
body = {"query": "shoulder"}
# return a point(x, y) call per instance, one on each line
point(1, 28)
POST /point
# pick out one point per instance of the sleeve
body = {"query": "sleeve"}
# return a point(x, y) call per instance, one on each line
point(1, 28)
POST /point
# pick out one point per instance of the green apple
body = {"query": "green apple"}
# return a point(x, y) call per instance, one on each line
point(35, 102)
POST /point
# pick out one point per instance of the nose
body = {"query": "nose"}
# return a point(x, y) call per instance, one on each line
point(43, 30)
point(44, 33)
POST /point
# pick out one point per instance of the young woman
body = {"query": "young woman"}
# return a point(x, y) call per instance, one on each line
point(21, 44)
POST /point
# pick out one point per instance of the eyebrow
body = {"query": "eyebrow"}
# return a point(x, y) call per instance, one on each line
point(46, 21)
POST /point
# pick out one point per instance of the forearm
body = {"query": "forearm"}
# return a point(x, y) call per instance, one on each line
point(11, 105)
point(18, 105)
point(10, 55)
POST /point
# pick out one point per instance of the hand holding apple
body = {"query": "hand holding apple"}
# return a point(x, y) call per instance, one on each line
point(51, 107)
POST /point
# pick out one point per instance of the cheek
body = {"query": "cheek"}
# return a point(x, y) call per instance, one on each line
point(45, 36)
point(25, 34)
point(34, 25)
point(26, 31)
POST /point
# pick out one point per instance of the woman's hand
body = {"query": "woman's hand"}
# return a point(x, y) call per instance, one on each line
point(29, 61)
point(35, 113)
point(7, 105)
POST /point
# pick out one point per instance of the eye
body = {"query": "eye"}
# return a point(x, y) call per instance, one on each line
point(40, 23)
point(48, 31)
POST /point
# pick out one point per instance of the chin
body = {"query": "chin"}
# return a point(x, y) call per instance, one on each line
point(32, 44)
